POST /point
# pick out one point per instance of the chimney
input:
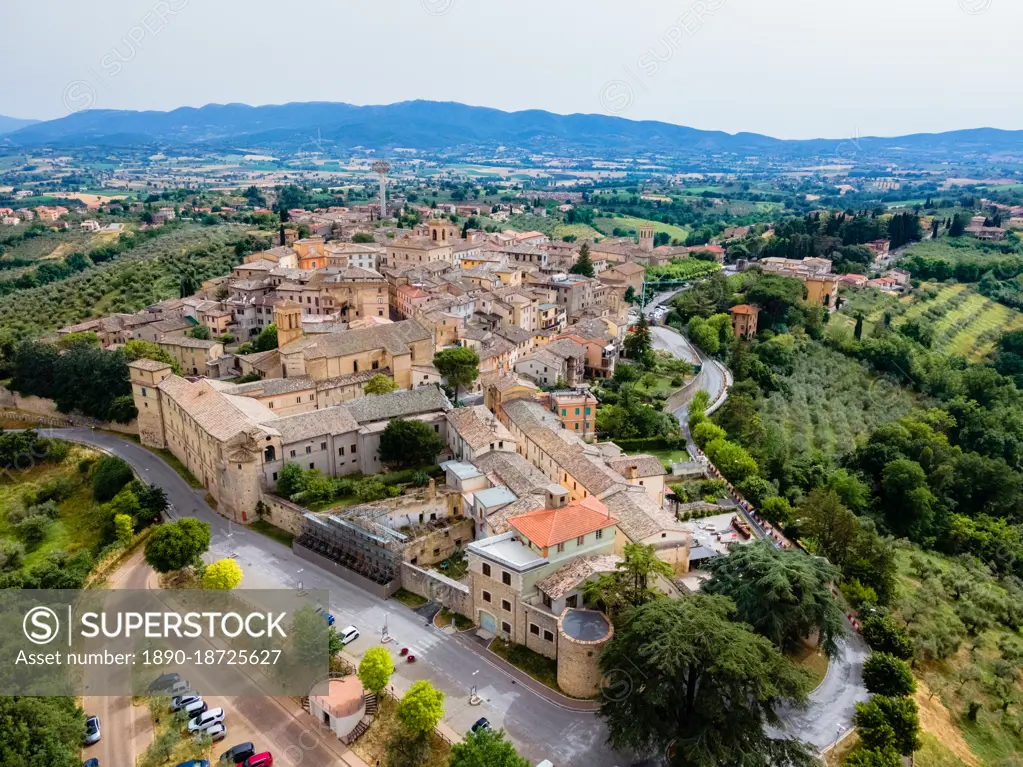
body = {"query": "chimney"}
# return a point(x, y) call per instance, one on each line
point(631, 473)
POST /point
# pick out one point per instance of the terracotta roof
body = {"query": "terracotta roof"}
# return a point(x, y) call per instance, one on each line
point(549, 527)
point(745, 309)
point(566, 578)
point(498, 519)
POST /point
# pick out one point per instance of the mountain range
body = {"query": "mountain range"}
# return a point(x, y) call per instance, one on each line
point(11, 124)
point(432, 126)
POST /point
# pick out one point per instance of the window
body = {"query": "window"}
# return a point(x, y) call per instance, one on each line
point(506, 578)
point(275, 476)
point(308, 449)
point(580, 540)
point(292, 453)
point(269, 454)
point(298, 400)
point(548, 636)
point(353, 449)
point(561, 547)
point(486, 569)
point(577, 411)
point(564, 411)
point(587, 411)
point(599, 534)
point(270, 405)
point(311, 466)
point(534, 629)
point(486, 596)
point(143, 391)
point(376, 364)
point(340, 451)
point(506, 605)
point(506, 627)
point(577, 426)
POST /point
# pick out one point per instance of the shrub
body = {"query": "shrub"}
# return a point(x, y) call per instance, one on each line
point(371, 489)
point(883, 634)
point(393, 491)
point(884, 674)
point(12, 554)
point(420, 479)
point(33, 530)
point(110, 476)
point(857, 594)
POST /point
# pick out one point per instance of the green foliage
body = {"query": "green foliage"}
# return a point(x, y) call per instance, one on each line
point(776, 510)
point(858, 595)
point(380, 384)
point(731, 459)
point(175, 545)
point(706, 431)
point(409, 443)
point(200, 332)
point(884, 635)
point(41, 731)
point(375, 669)
point(486, 748)
point(224, 574)
point(12, 554)
point(884, 674)
point(124, 528)
point(290, 480)
point(267, 338)
point(885, 723)
point(631, 584)
point(782, 593)
point(638, 340)
point(722, 683)
point(421, 708)
point(583, 265)
point(460, 366)
point(872, 757)
point(138, 349)
point(109, 478)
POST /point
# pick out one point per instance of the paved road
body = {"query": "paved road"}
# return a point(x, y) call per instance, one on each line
point(539, 729)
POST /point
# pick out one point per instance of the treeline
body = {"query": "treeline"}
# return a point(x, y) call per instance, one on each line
point(83, 378)
point(54, 271)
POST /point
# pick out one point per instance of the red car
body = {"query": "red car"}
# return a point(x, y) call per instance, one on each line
point(266, 759)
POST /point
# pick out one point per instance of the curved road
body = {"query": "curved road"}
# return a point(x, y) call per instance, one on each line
point(539, 729)
point(832, 704)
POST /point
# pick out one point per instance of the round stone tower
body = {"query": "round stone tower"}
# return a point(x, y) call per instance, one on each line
point(582, 636)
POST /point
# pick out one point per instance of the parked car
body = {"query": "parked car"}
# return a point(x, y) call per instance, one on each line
point(179, 688)
point(481, 724)
point(164, 682)
point(91, 763)
point(195, 763)
point(183, 701)
point(217, 733)
point(92, 733)
point(237, 754)
point(265, 759)
point(326, 616)
point(195, 708)
point(349, 634)
point(206, 719)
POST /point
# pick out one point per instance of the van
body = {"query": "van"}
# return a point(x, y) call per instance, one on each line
point(195, 708)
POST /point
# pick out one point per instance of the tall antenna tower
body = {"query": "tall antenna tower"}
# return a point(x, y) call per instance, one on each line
point(382, 168)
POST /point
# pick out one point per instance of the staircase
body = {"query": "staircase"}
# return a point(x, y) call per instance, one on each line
point(371, 704)
point(355, 734)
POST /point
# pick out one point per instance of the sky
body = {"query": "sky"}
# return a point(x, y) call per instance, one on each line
point(785, 68)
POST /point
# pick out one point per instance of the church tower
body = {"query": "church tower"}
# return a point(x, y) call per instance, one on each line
point(288, 318)
point(646, 238)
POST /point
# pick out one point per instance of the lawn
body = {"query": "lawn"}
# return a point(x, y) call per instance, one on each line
point(273, 532)
point(607, 226)
point(808, 657)
point(540, 667)
point(667, 457)
point(409, 599)
point(372, 747)
point(81, 522)
point(446, 617)
point(661, 387)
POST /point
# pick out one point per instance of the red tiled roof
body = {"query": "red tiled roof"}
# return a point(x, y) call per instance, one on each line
point(549, 527)
point(745, 309)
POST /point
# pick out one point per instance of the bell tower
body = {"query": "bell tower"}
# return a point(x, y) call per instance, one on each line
point(646, 238)
point(288, 317)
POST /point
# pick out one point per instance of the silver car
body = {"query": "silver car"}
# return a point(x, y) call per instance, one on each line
point(92, 734)
point(184, 701)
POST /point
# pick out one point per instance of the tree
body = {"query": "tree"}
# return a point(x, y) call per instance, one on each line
point(267, 338)
point(583, 265)
point(704, 335)
point(638, 341)
point(175, 545)
point(486, 748)
point(290, 480)
point(188, 285)
point(362, 237)
point(908, 500)
point(782, 593)
point(631, 584)
point(124, 529)
point(41, 731)
point(731, 459)
point(122, 409)
point(459, 366)
point(375, 669)
point(630, 296)
point(405, 751)
point(138, 349)
point(872, 757)
point(200, 332)
point(380, 384)
point(409, 443)
point(421, 708)
point(224, 574)
point(884, 674)
point(685, 680)
point(884, 722)
point(109, 478)
point(832, 526)
point(884, 635)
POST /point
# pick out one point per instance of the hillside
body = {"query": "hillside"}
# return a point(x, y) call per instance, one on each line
point(438, 126)
point(11, 124)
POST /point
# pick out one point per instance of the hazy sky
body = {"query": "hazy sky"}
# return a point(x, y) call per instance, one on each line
point(788, 68)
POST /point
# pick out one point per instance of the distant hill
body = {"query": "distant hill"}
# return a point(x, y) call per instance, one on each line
point(11, 124)
point(437, 126)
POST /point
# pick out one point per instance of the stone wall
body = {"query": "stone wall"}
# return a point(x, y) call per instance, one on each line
point(283, 514)
point(45, 408)
point(544, 622)
point(437, 545)
point(437, 588)
point(579, 664)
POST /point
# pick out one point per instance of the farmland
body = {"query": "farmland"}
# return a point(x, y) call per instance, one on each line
point(825, 404)
point(963, 321)
point(607, 226)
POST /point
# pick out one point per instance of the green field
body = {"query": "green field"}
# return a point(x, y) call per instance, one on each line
point(607, 225)
point(964, 322)
point(581, 232)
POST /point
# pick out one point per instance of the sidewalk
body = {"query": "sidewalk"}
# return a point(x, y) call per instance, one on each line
point(479, 647)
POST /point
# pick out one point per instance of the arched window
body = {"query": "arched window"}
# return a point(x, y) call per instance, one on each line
point(269, 454)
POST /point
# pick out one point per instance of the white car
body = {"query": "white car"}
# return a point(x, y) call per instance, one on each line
point(179, 688)
point(349, 634)
point(184, 701)
point(217, 733)
point(206, 720)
